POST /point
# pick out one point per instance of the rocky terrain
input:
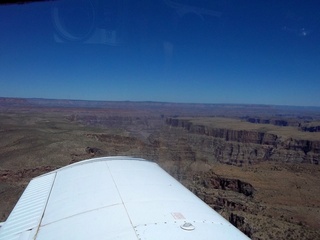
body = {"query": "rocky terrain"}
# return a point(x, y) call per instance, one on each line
point(239, 142)
point(263, 177)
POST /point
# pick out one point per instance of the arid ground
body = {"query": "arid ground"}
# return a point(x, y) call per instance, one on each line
point(258, 166)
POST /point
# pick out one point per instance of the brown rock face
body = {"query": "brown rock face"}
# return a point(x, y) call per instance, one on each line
point(247, 146)
point(227, 195)
point(239, 222)
point(212, 180)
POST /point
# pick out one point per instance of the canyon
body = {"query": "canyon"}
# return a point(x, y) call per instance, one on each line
point(239, 142)
point(258, 166)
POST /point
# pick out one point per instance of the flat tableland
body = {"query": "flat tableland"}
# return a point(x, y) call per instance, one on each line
point(265, 199)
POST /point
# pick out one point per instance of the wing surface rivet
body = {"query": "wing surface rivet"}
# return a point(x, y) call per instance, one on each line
point(187, 226)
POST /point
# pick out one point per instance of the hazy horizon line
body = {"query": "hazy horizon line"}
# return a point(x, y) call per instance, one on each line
point(162, 102)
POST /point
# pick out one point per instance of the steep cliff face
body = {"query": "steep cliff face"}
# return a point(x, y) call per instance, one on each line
point(276, 122)
point(248, 146)
point(310, 128)
point(227, 196)
point(211, 180)
point(304, 123)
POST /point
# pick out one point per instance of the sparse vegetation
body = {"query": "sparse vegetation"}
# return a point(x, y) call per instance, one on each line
point(285, 201)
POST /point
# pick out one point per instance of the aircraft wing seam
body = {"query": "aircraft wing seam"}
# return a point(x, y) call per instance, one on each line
point(123, 204)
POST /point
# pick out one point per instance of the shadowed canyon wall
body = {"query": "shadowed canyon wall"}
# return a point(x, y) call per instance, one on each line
point(247, 146)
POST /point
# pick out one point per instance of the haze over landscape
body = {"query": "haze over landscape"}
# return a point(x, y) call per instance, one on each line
point(258, 166)
point(248, 52)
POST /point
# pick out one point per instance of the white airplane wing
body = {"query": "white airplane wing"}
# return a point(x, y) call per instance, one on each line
point(113, 198)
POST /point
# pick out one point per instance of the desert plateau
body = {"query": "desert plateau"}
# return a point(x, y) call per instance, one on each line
point(257, 165)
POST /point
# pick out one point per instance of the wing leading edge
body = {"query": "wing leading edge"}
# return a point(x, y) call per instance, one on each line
point(113, 198)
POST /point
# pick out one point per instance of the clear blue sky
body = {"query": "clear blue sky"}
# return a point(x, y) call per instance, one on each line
point(226, 51)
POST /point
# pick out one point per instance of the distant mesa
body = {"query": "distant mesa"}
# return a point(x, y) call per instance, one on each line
point(311, 129)
point(304, 124)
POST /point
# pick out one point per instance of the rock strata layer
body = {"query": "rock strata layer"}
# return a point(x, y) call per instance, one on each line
point(248, 146)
